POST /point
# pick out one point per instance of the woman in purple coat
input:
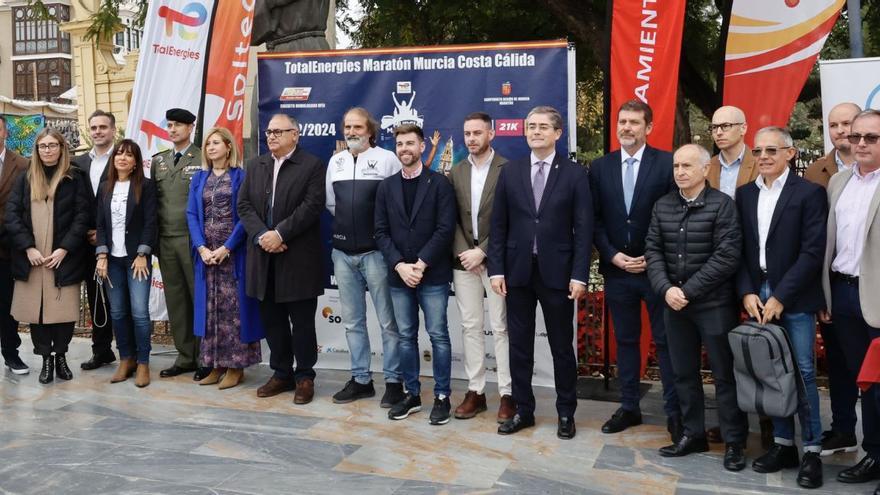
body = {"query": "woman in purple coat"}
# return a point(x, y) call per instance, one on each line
point(227, 321)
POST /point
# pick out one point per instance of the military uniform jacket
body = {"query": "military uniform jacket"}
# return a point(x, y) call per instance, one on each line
point(172, 186)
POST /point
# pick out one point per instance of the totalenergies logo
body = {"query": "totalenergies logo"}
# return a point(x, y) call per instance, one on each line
point(193, 15)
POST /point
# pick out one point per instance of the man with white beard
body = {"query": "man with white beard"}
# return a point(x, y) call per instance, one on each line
point(353, 176)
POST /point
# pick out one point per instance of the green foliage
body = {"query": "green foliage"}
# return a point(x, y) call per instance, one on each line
point(105, 21)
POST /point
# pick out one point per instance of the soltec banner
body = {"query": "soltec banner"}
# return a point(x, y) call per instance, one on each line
point(771, 48)
point(645, 49)
point(170, 69)
point(435, 88)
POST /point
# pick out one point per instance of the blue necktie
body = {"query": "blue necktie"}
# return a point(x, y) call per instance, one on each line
point(629, 182)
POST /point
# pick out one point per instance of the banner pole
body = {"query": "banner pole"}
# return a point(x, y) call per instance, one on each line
point(722, 52)
point(854, 9)
point(200, 127)
point(572, 101)
point(606, 100)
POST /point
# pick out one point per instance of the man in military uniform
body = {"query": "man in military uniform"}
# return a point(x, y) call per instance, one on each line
point(172, 170)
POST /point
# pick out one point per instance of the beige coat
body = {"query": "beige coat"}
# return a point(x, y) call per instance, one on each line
point(59, 304)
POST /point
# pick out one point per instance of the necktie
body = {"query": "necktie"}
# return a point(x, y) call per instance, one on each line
point(538, 191)
point(629, 182)
point(177, 157)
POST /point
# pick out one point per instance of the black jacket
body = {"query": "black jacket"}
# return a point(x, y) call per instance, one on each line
point(71, 214)
point(141, 230)
point(695, 246)
point(84, 163)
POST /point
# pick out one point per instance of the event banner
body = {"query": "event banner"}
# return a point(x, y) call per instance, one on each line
point(645, 53)
point(855, 80)
point(170, 69)
point(434, 87)
point(771, 48)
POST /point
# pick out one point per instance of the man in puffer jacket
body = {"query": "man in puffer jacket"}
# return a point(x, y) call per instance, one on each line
point(693, 249)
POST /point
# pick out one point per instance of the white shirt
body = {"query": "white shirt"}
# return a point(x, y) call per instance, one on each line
point(624, 156)
point(118, 207)
point(277, 168)
point(96, 169)
point(479, 173)
point(840, 165)
point(851, 212)
point(767, 199)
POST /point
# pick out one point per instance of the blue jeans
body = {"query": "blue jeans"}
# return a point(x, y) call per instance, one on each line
point(801, 328)
point(433, 300)
point(355, 274)
point(130, 310)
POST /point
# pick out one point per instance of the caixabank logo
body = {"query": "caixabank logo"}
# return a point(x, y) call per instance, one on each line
point(192, 15)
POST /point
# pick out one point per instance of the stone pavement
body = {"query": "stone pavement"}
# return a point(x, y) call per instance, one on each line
point(88, 436)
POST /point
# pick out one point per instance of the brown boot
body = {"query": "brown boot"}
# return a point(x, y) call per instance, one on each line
point(274, 387)
point(124, 370)
point(213, 377)
point(507, 408)
point(233, 377)
point(142, 377)
point(305, 390)
point(472, 405)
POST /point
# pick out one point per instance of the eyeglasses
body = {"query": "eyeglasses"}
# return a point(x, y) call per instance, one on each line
point(724, 126)
point(48, 146)
point(276, 132)
point(857, 138)
point(770, 150)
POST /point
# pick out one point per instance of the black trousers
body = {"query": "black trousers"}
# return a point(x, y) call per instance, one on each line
point(558, 312)
point(52, 337)
point(686, 330)
point(102, 335)
point(844, 392)
point(9, 339)
point(290, 333)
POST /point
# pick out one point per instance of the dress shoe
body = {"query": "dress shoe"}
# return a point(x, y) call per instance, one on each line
point(734, 457)
point(98, 360)
point(506, 409)
point(213, 377)
point(47, 372)
point(687, 445)
point(777, 458)
point(274, 387)
point(62, 370)
point(621, 420)
point(233, 377)
point(835, 441)
point(124, 370)
point(305, 391)
point(142, 376)
point(472, 405)
point(565, 429)
point(810, 475)
point(516, 423)
point(866, 470)
point(202, 372)
point(675, 428)
point(174, 371)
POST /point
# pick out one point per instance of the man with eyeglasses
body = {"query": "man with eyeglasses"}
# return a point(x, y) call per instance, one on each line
point(11, 166)
point(851, 275)
point(783, 219)
point(172, 170)
point(280, 205)
point(102, 131)
point(733, 166)
point(844, 394)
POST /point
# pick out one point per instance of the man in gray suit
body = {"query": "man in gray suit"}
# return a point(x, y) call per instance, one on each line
point(851, 274)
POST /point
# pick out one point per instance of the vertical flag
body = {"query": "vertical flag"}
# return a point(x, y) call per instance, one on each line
point(645, 52)
point(770, 50)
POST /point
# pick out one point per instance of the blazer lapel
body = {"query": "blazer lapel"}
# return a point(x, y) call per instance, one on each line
point(616, 177)
point(644, 171)
point(552, 175)
point(873, 206)
point(526, 176)
point(491, 181)
point(129, 204)
point(750, 203)
point(784, 197)
point(421, 191)
point(745, 168)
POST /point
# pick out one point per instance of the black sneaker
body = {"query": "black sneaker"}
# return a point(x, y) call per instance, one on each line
point(838, 442)
point(410, 404)
point(440, 411)
point(354, 391)
point(17, 366)
point(393, 394)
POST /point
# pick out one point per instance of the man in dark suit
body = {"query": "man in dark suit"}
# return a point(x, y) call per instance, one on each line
point(625, 185)
point(783, 222)
point(11, 166)
point(415, 224)
point(102, 131)
point(280, 205)
point(539, 251)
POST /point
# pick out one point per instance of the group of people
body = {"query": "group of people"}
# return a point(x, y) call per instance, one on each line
point(697, 238)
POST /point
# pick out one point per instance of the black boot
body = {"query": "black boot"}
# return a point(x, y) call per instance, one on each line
point(61, 368)
point(47, 374)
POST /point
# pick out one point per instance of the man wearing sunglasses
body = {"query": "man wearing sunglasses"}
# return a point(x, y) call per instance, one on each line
point(851, 274)
point(841, 437)
point(783, 224)
point(733, 166)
